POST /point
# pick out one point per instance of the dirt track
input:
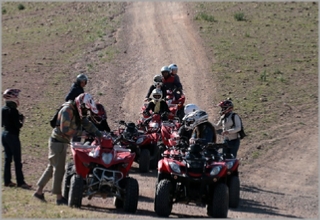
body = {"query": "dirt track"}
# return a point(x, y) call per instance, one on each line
point(282, 184)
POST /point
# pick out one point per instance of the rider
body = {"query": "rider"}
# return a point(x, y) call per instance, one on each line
point(170, 82)
point(77, 87)
point(185, 131)
point(174, 71)
point(201, 127)
point(99, 120)
point(158, 105)
point(157, 84)
point(229, 130)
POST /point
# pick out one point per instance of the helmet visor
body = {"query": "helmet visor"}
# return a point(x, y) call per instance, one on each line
point(157, 96)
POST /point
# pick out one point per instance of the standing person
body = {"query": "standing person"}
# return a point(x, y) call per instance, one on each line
point(12, 122)
point(201, 127)
point(71, 117)
point(229, 130)
point(174, 71)
point(77, 87)
point(157, 84)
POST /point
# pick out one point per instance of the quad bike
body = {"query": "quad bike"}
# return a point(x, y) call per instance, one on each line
point(176, 106)
point(169, 134)
point(193, 176)
point(101, 170)
point(143, 144)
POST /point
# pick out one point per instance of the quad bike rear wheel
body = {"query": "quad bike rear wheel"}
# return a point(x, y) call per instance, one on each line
point(220, 202)
point(156, 157)
point(144, 161)
point(131, 195)
point(117, 202)
point(76, 191)
point(234, 191)
point(163, 198)
point(66, 179)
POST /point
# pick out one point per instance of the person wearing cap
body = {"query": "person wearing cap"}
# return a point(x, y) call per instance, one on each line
point(12, 122)
point(77, 87)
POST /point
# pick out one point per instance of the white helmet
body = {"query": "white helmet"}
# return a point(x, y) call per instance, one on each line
point(190, 108)
point(157, 80)
point(85, 102)
point(173, 67)
point(156, 95)
point(196, 118)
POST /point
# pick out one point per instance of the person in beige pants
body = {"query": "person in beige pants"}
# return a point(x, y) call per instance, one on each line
point(71, 118)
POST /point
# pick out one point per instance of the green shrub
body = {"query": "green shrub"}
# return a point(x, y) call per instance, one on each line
point(21, 7)
point(239, 16)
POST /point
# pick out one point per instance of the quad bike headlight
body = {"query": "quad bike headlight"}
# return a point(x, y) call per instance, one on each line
point(140, 140)
point(215, 170)
point(229, 165)
point(107, 158)
point(154, 125)
point(174, 167)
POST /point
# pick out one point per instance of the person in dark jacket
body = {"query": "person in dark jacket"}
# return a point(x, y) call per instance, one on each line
point(170, 82)
point(99, 120)
point(12, 122)
point(157, 84)
point(77, 87)
point(201, 127)
point(158, 105)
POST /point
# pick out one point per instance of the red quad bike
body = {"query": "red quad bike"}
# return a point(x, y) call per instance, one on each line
point(101, 170)
point(176, 106)
point(169, 134)
point(194, 176)
point(143, 144)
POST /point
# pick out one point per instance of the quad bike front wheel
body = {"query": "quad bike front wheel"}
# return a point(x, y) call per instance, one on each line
point(220, 202)
point(163, 198)
point(76, 191)
point(66, 179)
point(131, 195)
point(144, 161)
point(234, 191)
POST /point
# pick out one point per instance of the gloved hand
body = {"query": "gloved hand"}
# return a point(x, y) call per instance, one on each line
point(146, 113)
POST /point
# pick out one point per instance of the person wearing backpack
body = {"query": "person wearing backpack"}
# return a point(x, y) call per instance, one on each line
point(71, 118)
point(230, 123)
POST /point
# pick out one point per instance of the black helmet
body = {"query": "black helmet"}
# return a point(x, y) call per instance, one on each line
point(82, 78)
point(131, 127)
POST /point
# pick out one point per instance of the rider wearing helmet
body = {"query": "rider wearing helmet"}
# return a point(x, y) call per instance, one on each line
point(71, 117)
point(100, 119)
point(168, 80)
point(77, 87)
point(12, 121)
point(157, 105)
point(201, 128)
point(157, 84)
point(229, 130)
point(185, 131)
point(174, 71)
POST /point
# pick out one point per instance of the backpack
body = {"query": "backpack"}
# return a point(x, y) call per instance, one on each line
point(53, 121)
point(242, 134)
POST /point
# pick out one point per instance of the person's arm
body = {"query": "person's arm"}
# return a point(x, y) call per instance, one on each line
point(90, 127)
point(152, 87)
point(105, 126)
point(16, 118)
point(177, 83)
point(177, 78)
